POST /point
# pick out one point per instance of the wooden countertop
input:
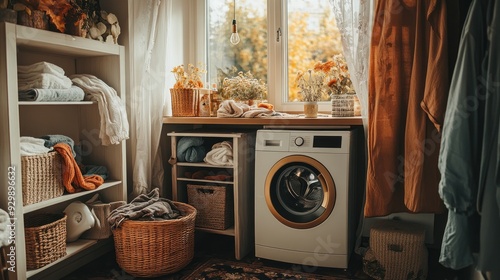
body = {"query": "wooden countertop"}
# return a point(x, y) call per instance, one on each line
point(324, 120)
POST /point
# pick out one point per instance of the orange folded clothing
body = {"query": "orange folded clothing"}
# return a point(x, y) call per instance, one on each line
point(72, 177)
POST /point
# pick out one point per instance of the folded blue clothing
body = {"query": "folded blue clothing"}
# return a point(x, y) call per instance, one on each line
point(191, 149)
point(51, 140)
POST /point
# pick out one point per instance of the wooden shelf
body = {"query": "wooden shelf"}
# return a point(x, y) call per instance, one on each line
point(242, 171)
point(77, 103)
point(67, 197)
point(80, 121)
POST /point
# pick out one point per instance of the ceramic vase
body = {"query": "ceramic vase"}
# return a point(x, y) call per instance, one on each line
point(311, 109)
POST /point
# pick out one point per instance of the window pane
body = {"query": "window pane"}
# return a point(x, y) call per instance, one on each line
point(250, 54)
point(313, 37)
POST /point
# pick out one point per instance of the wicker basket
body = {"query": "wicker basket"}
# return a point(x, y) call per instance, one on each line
point(41, 177)
point(397, 251)
point(45, 236)
point(154, 248)
point(188, 102)
point(214, 205)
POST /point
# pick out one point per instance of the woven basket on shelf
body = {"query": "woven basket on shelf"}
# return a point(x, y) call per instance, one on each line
point(154, 248)
point(45, 236)
point(190, 102)
point(41, 177)
point(214, 205)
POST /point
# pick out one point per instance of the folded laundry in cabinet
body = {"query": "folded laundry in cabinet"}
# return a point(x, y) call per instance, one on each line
point(221, 154)
point(73, 93)
point(190, 149)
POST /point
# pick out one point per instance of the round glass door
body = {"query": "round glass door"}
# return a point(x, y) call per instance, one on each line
point(300, 192)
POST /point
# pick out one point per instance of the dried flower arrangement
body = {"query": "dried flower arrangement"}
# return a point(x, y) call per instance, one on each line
point(190, 77)
point(330, 76)
point(339, 79)
point(243, 87)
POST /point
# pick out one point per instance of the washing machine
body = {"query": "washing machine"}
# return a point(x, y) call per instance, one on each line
point(304, 196)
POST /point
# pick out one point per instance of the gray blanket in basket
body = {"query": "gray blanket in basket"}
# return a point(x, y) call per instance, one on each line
point(149, 207)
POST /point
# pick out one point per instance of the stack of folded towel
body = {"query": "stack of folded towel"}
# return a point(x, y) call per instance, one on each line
point(4, 228)
point(44, 81)
point(221, 154)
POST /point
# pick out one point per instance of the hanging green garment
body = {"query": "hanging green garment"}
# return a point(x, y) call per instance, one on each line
point(459, 157)
point(489, 185)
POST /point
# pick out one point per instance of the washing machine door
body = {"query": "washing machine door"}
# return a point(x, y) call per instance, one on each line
point(300, 192)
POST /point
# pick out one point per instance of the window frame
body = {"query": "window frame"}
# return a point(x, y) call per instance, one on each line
point(277, 54)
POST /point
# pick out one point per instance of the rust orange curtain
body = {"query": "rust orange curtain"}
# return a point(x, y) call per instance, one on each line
point(408, 89)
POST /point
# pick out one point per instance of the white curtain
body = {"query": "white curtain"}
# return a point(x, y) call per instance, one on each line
point(148, 92)
point(354, 20)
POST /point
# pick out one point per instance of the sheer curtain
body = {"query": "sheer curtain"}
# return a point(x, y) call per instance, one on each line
point(354, 20)
point(148, 91)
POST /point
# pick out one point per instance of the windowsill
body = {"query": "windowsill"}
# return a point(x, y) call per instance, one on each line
point(321, 120)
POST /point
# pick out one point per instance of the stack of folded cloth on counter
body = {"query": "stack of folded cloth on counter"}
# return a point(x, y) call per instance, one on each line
point(45, 82)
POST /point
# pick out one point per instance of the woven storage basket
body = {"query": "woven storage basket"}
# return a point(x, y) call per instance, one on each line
point(214, 205)
point(101, 229)
point(154, 248)
point(190, 102)
point(41, 177)
point(398, 250)
point(45, 236)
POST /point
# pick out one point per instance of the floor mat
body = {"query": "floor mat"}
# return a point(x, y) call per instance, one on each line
point(227, 269)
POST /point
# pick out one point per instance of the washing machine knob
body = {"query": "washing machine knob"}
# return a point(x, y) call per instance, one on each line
point(299, 141)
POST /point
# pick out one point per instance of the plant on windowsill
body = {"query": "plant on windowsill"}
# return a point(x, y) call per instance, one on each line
point(189, 99)
point(312, 87)
point(243, 87)
point(345, 102)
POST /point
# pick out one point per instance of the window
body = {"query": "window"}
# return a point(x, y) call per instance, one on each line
point(274, 44)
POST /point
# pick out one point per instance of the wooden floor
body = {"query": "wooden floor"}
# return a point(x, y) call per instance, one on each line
point(209, 246)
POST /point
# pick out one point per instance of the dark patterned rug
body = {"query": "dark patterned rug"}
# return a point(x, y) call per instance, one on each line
point(226, 269)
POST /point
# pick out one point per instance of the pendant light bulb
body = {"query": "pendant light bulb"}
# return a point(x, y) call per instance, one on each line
point(235, 38)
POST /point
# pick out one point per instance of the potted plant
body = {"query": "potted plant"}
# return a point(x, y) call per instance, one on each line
point(243, 87)
point(345, 103)
point(312, 87)
point(189, 98)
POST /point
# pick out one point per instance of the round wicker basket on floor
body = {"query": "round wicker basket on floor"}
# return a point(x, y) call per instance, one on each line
point(155, 248)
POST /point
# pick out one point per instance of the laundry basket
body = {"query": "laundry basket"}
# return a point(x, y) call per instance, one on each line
point(155, 248)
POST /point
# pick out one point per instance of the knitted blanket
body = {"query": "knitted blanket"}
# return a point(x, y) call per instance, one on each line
point(72, 177)
point(147, 207)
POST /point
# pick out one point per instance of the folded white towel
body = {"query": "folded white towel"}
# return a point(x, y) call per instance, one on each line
point(4, 230)
point(43, 80)
point(31, 146)
point(221, 154)
point(25, 71)
point(114, 124)
point(232, 109)
point(73, 93)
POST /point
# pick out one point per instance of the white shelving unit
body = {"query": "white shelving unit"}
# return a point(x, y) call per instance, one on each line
point(242, 172)
point(20, 45)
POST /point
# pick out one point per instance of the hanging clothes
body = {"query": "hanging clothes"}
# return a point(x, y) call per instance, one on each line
point(461, 142)
point(408, 88)
point(488, 203)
